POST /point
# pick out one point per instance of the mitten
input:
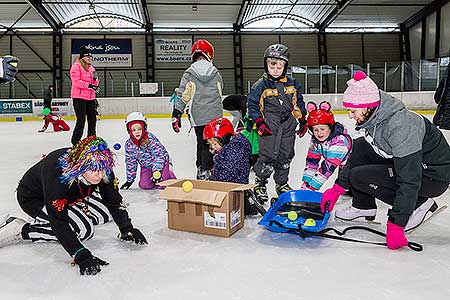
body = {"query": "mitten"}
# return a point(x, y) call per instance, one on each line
point(395, 236)
point(133, 235)
point(263, 129)
point(95, 88)
point(331, 196)
point(126, 185)
point(89, 264)
point(302, 128)
point(156, 177)
point(8, 68)
point(176, 120)
point(306, 186)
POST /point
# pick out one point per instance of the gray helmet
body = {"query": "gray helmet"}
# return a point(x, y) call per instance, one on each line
point(277, 51)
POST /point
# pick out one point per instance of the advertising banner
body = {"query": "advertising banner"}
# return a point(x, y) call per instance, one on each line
point(105, 52)
point(8, 107)
point(173, 50)
point(60, 106)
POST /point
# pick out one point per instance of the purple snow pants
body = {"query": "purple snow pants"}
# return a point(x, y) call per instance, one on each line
point(146, 182)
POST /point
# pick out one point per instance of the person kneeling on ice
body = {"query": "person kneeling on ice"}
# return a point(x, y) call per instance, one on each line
point(145, 149)
point(403, 160)
point(56, 120)
point(231, 160)
point(57, 192)
point(329, 148)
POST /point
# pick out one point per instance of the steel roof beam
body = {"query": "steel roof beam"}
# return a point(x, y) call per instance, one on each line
point(424, 12)
point(148, 24)
point(340, 7)
point(43, 12)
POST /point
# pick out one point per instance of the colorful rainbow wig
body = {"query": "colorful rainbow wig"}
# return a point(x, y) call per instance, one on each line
point(90, 154)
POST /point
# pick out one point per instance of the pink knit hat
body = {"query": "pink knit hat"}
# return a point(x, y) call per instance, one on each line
point(361, 92)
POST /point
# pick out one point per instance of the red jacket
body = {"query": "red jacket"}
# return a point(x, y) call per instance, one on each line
point(81, 80)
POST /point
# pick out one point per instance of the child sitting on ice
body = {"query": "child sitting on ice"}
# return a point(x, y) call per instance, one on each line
point(57, 122)
point(145, 149)
point(329, 148)
point(231, 160)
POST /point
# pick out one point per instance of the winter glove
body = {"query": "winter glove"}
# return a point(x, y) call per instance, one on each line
point(176, 120)
point(188, 92)
point(95, 76)
point(95, 88)
point(156, 177)
point(395, 236)
point(89, 264)
point(8, 68)
point(331, 196)
point(133, 235)
point(126, 185)
point(302, 128)
point(306, 186)
point(263, 129)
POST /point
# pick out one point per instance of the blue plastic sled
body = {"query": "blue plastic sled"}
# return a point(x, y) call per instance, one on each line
point(306, 205)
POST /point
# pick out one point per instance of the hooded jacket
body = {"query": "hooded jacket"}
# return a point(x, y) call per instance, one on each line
point(418, 149)
point(334, 151)
point(205, 103)
point(81, 80)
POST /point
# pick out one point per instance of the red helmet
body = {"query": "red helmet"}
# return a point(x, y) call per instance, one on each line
point(321, 115)
point(204, 48)
point(218, 128)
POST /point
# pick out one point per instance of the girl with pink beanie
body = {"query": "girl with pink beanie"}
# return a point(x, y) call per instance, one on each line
point(402, 160)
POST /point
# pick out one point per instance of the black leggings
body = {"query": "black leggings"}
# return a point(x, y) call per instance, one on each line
point(204, 157)
point(84, 108)
point(372, 176)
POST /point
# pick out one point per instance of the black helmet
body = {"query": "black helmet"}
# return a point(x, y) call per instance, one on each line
point(279, 51)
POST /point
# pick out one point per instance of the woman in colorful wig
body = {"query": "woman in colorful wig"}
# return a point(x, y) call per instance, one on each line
point(57, 192)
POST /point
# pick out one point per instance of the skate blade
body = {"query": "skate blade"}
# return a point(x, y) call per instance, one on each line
point(426, 219)
point(357, 221)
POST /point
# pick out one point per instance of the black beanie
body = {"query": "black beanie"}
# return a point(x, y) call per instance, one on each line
point(85, 52)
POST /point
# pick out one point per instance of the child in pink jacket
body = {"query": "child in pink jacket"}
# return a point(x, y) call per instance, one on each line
point(84, 90)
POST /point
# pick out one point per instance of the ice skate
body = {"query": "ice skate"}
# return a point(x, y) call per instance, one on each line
point(203, 174)
point(283, 188)
point(261, 191)
point(352, 213)
point(255, 205)
point(423, 214)
point(11, 231)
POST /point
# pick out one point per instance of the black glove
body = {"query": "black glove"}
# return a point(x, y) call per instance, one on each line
point(95, 76)
point(89, 264)
point(8, 68)
point(126, 185)
point(302, 128)
point(133, 235)
point(95, 88)
point(176, 120)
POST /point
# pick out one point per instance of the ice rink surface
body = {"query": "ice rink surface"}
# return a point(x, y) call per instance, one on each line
point(253, 264)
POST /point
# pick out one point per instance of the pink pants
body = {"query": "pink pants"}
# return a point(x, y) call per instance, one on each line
point(146, 182)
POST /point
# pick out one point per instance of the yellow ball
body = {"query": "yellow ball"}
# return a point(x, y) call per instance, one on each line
point(187, 186)
point(157, 174)
point(292, 215)
point(310, 222)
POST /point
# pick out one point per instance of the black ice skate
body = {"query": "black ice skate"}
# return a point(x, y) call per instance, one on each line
point(252, 205)
point(203, 174)
point(283, 188)
point(261, 191)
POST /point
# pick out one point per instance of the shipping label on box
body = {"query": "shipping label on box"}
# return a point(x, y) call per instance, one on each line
point(218, 221)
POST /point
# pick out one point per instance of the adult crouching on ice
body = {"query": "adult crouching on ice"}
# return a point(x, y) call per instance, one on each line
point(84, 89)
point(403, 160)
point(57, 192)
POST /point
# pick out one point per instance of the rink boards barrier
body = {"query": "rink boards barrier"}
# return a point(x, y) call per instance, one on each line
point(31, 109)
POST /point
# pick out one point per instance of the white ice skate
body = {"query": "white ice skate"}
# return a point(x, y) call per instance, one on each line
point(352, 213)
point(11, 231)
point(422, 214)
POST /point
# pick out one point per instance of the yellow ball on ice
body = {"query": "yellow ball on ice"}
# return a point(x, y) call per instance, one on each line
point(292, 215)
point(187, 186)
point(310, 222)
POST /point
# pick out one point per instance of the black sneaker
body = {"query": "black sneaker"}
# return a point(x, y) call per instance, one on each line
point(280, 189)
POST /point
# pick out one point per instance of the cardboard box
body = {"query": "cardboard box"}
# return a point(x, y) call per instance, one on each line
point(212, 207)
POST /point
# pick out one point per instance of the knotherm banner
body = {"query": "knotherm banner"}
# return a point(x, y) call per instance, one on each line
point(106, 52)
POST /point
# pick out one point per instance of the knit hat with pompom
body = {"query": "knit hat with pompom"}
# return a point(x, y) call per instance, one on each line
point(361, 92)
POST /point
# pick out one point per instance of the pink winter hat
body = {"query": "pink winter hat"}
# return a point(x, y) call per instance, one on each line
point(361, 92)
